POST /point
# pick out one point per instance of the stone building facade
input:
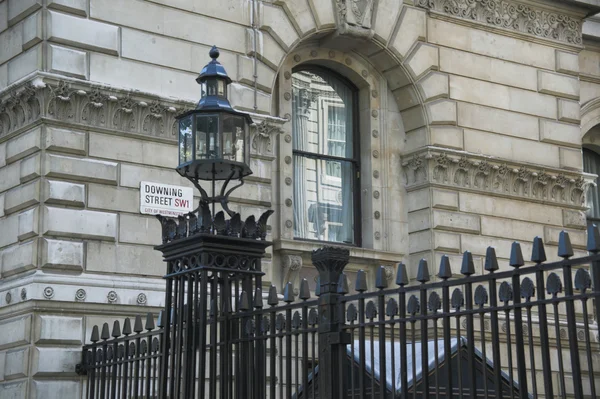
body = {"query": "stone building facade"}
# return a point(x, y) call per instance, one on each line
point(470, 118)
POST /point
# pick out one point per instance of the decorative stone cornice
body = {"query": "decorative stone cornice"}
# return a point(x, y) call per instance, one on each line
point(513, 16)
point(494, 177)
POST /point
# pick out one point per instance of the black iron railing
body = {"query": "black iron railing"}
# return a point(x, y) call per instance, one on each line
point(521, 330)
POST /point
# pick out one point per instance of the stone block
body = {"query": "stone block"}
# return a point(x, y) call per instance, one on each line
point(30, 168)
point(3, 76)
point(9, 176)
point(124, 259)
point(62, 140)
point(569, 111)
point(79, 224)
point(11, 43)
point(510, 229)
point(56, 389)
point(300, 15)
point(323, 12)
point(68, 61)
point(65, 193)
point(419, 220)
point(15, 332)
point(589, 62)
point(132, 150)
point(560, 133)
point(2, 354)
point(81, 32)
point(136, 229)
point(574, 219)
point(3, 25)
point(266, 47)
point(2, 154)
point(558, 85)
point(113, 198)
point(20, 258)
point(80, 169)
point(9, 226)
point(490, 44)
point(72, 6)
point(498, 121)
point(15, 390)
point(416, 138)
point(446, 241)
point(455, 221)
point(422, 59)
point(17, 364)
point(22, 197)
point(19, 9)
point(567, 62)
point(55, 361)
point(132, 175)
point(28, 223)
point(406, 97)
point(24, 64)
point(447, 136)
point(54, 329)
point(412, 27)
point(479, 244)
point(578, 237)
point(418, 199)
point(570, 158)
point(245, 73)
point(274, 20)
point(420, 241)
point(32, 30)
point(434, 85)
point(517, 150)
point(2, 206)
point(444, 199)
point(134, 75)
point(509, 208)
point(243, 97)
point(442, 112)
point(490, 69)
point(23, 145)
point(58, 254)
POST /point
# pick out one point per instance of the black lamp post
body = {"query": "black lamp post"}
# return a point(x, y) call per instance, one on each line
point(213, 138)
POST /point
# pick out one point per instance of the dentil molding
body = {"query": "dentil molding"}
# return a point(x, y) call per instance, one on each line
point(462, 171)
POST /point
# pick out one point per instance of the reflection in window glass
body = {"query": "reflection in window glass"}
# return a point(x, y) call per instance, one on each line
point(591, 164)
point(325, 168)
point(185, 140)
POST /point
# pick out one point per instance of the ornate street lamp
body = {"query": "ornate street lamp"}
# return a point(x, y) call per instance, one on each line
point(213, 138)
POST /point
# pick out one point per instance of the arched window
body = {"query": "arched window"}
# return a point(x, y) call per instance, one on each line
point(325, 155)
point(591, 164)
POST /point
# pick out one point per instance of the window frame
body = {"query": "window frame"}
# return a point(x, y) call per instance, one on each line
point(354, 161)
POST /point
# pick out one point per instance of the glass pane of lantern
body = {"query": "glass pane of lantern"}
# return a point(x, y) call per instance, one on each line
point(233, 138)
point(203, 90)
point(211, 87)
point(221, 88)
point(207, 137)
point(186, 144)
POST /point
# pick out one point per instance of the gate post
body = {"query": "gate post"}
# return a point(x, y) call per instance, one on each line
point(330, 262)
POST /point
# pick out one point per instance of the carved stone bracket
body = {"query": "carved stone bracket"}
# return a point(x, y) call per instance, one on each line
point(356, 17)
point(512, 16)
point(263, 133)
point(495, 177)
point(291, 265)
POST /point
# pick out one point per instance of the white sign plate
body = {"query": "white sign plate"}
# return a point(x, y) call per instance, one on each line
point(166, 200)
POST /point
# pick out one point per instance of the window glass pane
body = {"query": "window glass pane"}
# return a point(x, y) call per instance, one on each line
point(591, 164)
point(207, 140)
point(323, 206)
point(323, 112)
point(186, 146)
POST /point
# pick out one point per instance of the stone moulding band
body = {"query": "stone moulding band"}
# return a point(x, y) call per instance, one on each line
point(466, 172)
point(513, 16)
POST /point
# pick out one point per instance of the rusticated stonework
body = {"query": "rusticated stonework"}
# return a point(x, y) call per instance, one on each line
point(510, 15)
point(453, 169)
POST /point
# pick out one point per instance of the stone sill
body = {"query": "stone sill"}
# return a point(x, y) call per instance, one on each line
point(361, 256)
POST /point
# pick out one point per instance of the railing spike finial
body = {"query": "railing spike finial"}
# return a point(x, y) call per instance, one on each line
point(137, 325)
point(593, 239)
point(401, 275)
point(380, 279)
point(516, 255)
point(150, 322)
point(491, 261)
point(273, 299)
point(343, 285)
point(95, 334)
point(468, 266)
point(105, 332)
point(127, 326)
point(244, 303)
point(565, 249)
point(258, 299)
point(445, 269)
point(304, 290)
point(288, 293)
point(318, 286)
point(538, 253)
point(361, 281)
point(423, 271)
point(161, 319)
point(116, 330)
